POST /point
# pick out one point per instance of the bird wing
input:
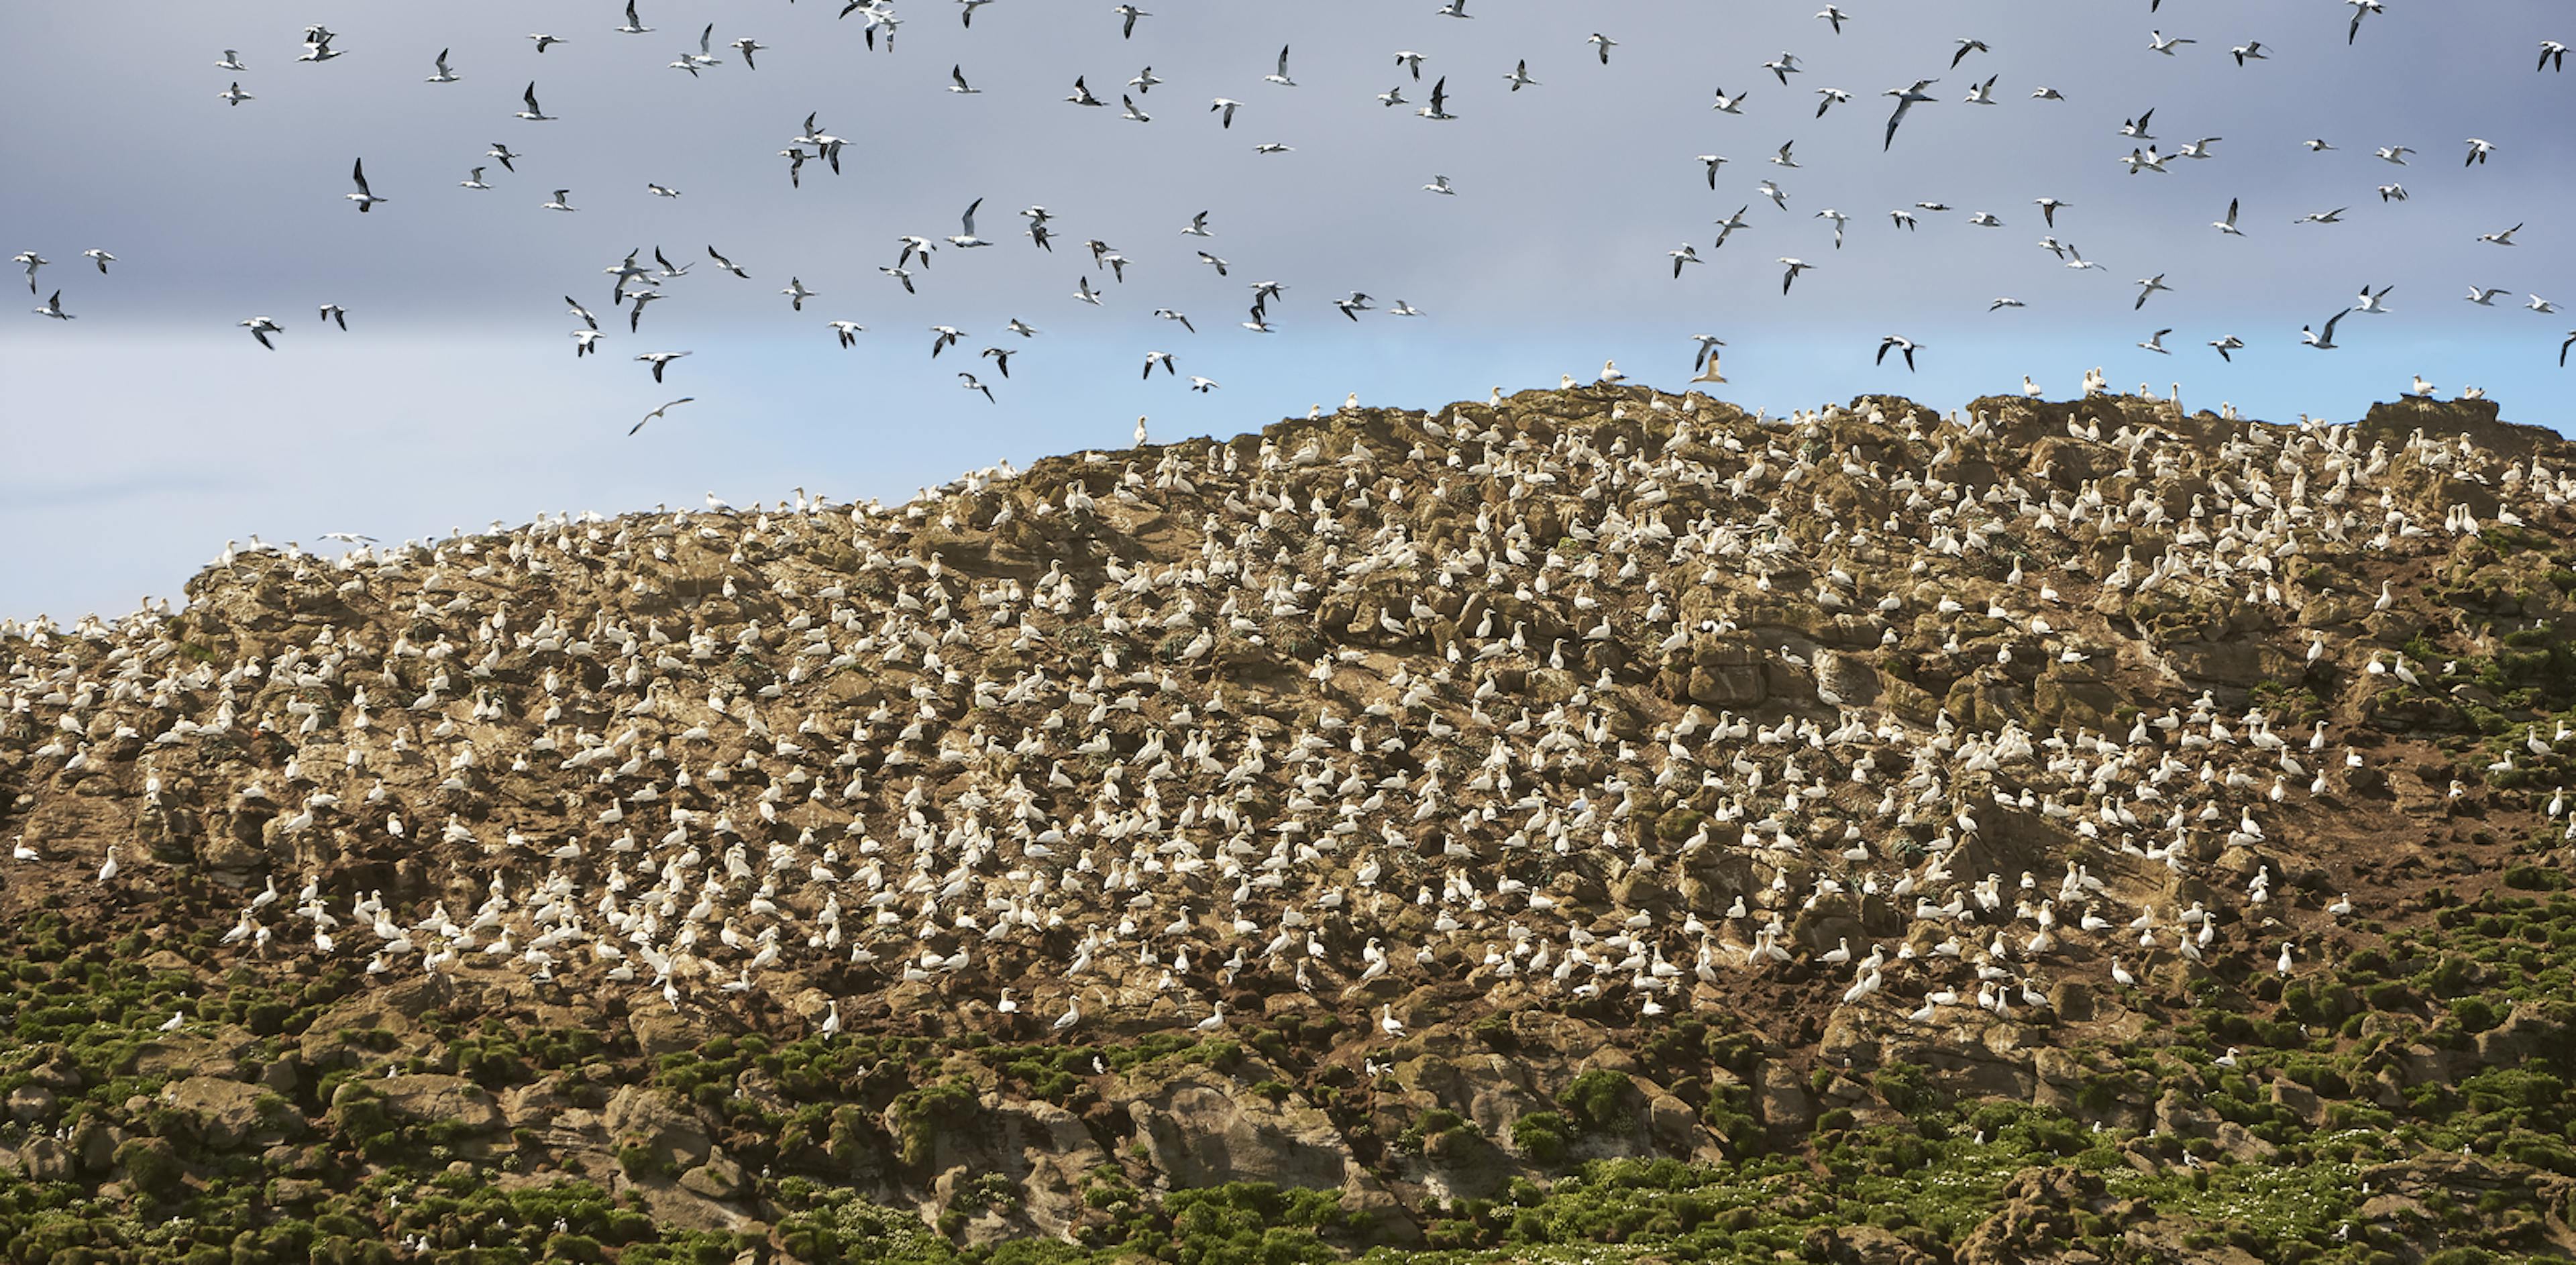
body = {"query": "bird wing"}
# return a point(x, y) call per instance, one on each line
point(358, 172)
point(2331, 322)
point(1283, 61)
point(969, 217)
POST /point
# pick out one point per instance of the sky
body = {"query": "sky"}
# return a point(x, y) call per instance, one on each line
point(137, 438)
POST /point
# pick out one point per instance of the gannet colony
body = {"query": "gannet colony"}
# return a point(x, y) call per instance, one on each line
point(1586, 821)
point(1569, 825)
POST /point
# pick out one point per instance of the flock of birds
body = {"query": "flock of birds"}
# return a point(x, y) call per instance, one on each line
point(639, 285)
point(1386, 701)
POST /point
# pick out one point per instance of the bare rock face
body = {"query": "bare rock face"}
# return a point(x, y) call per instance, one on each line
point(665, 1129)
point(224, 1113)
point(1203, 1130)
point(452, 1101)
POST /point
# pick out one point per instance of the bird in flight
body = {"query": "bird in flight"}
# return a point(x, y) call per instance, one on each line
point(658, 412)
point(1906, 99)
point(364, 197)
point(660, 360)
point(2325, 341)
point(1892, 341)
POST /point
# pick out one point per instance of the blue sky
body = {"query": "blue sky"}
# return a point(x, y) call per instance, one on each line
point(136, 439)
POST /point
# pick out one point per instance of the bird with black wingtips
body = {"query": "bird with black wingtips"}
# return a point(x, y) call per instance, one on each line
point(1438, 110)
point(2325, 341)
point(660, 360)
point(1906, 345)
point(1906, 99)
point(364, 197)
point(658, 412)
point(848, 332)
point(967, 380)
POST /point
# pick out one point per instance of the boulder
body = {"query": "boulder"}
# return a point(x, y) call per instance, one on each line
point(223, 1113)
point(660, 1123)
point(1200, 1128)
point(428, 1098)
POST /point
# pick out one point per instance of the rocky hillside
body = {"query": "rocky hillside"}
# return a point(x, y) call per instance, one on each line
point(1592, 822)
